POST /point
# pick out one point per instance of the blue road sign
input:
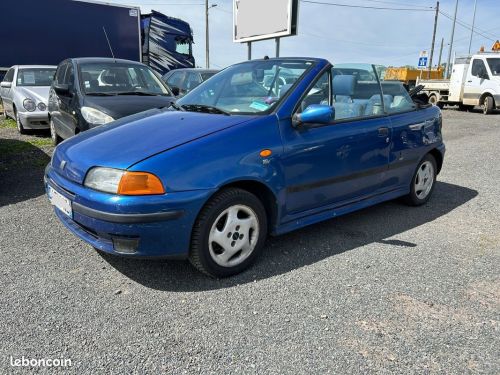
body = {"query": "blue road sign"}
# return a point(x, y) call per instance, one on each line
point(422, 62)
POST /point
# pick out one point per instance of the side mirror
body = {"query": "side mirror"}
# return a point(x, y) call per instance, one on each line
point(483, 75)
point(314, 114)
point(61, 88)
point(175, 90)
point(6, 85)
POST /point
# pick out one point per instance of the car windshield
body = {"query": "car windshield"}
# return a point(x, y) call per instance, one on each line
point(494, 66)
point(120, 79)
point(35, 76)
point(249, 88)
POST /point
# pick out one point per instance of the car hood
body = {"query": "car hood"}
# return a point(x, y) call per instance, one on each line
point(37, 93)
point(124, 105)
point(125, 142)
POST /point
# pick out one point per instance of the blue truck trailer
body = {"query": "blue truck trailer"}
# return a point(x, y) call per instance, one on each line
point(47, 32)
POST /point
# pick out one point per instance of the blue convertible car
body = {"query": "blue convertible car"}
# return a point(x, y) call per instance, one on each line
point(265, 146)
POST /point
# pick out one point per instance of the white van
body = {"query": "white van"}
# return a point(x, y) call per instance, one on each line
point(475, 80)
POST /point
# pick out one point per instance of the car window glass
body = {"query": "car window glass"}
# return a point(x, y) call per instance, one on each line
point(61, 70)
point(119, 78)
point(69, 76)
point(175, 80)
point(9, 76)
point(206, 75)
point(35, 77)
point(248, 88)
point(192, 81)
point(396, 97)
point(478, 67)
point(318, 94)
point(494, 66)
point(356, 91)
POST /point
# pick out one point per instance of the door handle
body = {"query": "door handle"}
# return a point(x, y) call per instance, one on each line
point(383, 132)
point(469, 81)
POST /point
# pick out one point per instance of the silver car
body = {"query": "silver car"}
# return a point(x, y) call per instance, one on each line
point(24, 93)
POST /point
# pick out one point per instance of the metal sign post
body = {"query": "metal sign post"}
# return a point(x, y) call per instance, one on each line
point(277, 47)
point(249, 44)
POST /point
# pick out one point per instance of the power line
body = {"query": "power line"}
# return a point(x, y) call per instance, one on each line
point(463, 24)
point(367, 7)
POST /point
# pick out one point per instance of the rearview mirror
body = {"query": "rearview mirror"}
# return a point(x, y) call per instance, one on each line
point(314, 114)
point(6, 85)
point(61, 88)
point(175, 90)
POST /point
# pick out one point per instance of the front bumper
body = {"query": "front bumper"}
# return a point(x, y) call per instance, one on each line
point(157, 226)
point(35, 120)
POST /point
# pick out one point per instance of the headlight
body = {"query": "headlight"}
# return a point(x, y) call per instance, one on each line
point(29, 104)
point(95, 117)
point(104, 179)
point(117, 181)
point(41, 106)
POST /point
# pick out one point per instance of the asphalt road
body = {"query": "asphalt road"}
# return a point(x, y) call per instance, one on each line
point(390, 289)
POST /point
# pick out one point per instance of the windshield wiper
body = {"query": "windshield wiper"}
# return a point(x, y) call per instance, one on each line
point(136, 93)
point(177, 106)
point(100, 94)
point(205, 108)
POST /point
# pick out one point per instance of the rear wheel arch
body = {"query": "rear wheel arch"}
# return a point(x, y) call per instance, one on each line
point(438, 157)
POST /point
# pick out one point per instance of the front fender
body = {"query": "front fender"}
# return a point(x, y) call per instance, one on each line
point(222, 158)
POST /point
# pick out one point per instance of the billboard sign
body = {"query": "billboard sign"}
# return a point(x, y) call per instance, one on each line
point(264, 19)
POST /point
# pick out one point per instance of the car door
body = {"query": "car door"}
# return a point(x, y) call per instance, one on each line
point(6, 92)
point(414, 131)
point(475, 83)
point(341, 162)
point(63, 116)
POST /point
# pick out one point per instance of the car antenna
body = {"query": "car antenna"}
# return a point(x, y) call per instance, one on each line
point(109, 44)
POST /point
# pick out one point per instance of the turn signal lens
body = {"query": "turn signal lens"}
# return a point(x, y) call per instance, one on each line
point(140, 183)
point(265, 153)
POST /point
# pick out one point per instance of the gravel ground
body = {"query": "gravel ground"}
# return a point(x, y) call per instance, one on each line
point(389, 289)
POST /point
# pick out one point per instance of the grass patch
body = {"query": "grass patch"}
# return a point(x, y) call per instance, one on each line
point(7, 124)
point(41, 142)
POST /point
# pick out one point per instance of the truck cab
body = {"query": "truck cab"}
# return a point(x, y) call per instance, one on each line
point(474, 81)
point(482, 82)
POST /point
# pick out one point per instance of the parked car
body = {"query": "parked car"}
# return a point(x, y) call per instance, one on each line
point(182, 81)
point(88, 92)
point(24, 92)
point(233, 161)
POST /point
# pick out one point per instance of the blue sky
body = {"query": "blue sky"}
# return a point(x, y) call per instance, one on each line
point(340, 34)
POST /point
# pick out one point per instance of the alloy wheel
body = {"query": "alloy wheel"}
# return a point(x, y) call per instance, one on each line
point(233, 236)
point(424, 180)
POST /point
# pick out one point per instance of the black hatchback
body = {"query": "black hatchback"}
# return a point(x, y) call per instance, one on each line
point(88, 92)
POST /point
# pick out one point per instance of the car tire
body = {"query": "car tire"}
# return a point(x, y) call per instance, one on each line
point(20, 127)
point(423, 182)
point(434, 101)
point(56, 139)
point(229, 233)
point(488, 105)
point(3, 115)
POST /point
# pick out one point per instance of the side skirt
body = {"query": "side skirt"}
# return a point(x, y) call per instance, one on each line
point(336, 211)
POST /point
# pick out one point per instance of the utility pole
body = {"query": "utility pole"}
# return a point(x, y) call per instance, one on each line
point(207, 38)
point(433, 39)
point(451, 42)
point(473, 22)
point(440, 52)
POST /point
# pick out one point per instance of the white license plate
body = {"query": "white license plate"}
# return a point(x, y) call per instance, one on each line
point(60, 201)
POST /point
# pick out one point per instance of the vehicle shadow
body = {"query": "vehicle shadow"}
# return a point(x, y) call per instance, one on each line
point(21, 171)
point(306, 246)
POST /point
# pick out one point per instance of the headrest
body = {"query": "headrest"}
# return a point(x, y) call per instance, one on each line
point(344, 85)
